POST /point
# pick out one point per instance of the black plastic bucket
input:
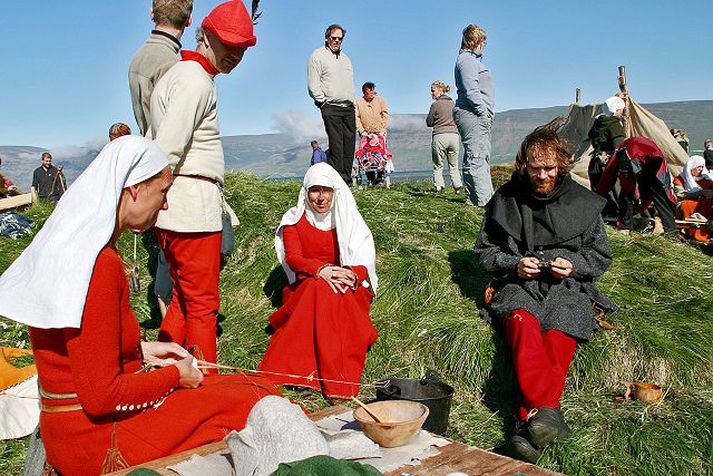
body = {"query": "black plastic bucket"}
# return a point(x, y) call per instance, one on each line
point(430, 391)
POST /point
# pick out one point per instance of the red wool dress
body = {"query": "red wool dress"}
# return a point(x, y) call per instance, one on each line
point(96, 366)
point(318, 333)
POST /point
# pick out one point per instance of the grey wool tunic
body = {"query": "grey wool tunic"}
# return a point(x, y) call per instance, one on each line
point(567, 224)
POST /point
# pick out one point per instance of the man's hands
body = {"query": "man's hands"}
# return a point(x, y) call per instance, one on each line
point(529, 268)
point(170, 353)
point(339, 279)
point(561, 268)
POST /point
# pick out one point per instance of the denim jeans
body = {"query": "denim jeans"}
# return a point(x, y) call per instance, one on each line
point(475, 133)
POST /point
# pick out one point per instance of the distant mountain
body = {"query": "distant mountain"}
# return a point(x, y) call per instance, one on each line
point(409, 141)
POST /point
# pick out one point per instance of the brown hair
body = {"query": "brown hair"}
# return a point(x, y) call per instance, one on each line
point(441, 85)
point(473, 37)
point(544, 141)
point(46, 154)
point(117, 130)
point(334, 26)
point(173, 13)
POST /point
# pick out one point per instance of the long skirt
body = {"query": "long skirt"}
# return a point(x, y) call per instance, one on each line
point(321, 338)
point(77, 443)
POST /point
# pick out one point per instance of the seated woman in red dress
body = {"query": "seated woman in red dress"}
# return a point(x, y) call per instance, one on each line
point(694, 190)
point(323, 331)
point(101, 409)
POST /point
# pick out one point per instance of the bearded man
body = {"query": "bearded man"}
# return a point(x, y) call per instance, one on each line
point(543, 239)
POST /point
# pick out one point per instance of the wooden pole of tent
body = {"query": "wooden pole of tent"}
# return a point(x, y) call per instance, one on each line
point(624, 88)
point(577, 96)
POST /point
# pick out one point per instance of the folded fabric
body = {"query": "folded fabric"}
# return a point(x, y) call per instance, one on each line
point(325, 466)
point(19, 409)
point(10, 374)
point(14, 225)
point(276, 431)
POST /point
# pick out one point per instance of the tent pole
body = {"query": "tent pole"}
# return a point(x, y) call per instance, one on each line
point(624, 88)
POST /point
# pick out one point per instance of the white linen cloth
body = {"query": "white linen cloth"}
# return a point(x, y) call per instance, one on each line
point(19, 409)
point(356, 243)
point(46, 287)
point(689, 181)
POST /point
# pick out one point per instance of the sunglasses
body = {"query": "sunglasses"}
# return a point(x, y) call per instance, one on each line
point(336, 38)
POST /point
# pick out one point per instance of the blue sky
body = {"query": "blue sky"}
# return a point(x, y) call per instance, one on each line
point(64, 64)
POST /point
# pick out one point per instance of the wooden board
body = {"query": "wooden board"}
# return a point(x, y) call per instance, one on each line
point(452, 457)
point(17, 201)
point(161, 464)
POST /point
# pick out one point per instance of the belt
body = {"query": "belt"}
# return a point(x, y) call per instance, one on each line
point(60, 408)
point(58, 396)
point(199, 177)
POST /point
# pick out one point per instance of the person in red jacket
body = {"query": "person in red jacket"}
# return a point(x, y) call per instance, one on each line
point(641, 168)
point(109, 400)
point(323, 331)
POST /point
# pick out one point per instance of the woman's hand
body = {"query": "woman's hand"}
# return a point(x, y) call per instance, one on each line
point(339, 279)
point(163, 353)
point(561, 268)
point(528, 267)
point(189, 375)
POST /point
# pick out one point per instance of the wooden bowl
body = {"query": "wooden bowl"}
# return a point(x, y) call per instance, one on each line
point(400, 421)
point(644, 391)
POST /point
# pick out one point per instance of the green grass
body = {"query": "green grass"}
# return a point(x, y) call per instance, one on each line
point(426, 314)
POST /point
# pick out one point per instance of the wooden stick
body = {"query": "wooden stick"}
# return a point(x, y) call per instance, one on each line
point(366, 409)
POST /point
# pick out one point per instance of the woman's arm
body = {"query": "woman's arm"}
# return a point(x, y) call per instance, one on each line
point(294, 256)
point(95, 352)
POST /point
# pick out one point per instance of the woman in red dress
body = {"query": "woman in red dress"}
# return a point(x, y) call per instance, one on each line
point(323, 331)
point(101, 409)
point(694, 190)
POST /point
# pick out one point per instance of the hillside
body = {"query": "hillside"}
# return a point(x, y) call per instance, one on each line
point(409, 140)
point(426, 314)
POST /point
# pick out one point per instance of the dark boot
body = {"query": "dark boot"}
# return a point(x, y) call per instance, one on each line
point(521, 447)
point(547, 425)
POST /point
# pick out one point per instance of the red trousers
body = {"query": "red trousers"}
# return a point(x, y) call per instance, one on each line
point(194, 263)
point(541, 360)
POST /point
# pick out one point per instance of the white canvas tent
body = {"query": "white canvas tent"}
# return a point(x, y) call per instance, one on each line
point(640, 122)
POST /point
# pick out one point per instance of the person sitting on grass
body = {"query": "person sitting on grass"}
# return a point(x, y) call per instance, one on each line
point(108, 399)
point(694, 190)
point(543, 239)
point(323, 330)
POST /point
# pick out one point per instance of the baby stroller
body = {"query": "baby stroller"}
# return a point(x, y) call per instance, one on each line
point(374, 159)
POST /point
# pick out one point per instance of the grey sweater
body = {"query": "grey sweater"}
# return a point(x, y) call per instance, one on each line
point(150, 62)
point(440, 116)
point(474, 84)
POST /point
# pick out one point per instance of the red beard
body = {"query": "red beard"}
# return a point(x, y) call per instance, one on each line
point(544, 187)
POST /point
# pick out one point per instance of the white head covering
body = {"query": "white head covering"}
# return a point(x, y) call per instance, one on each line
point(47, 285)
point(356, 243)
point(689, 181)
point(613, 104)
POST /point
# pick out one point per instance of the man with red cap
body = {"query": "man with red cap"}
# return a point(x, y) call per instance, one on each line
point(184, 123)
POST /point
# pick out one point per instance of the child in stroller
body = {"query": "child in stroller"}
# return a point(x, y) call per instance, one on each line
point(375, 159)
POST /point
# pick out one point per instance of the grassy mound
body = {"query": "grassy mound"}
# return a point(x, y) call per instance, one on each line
point(426, 314)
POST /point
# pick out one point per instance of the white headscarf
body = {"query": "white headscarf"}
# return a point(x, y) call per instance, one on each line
point(613, 104)
point(356, 243)
point(47, 285)
point(689, 181)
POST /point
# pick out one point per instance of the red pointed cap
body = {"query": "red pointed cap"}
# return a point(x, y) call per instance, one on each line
point(232, 24)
